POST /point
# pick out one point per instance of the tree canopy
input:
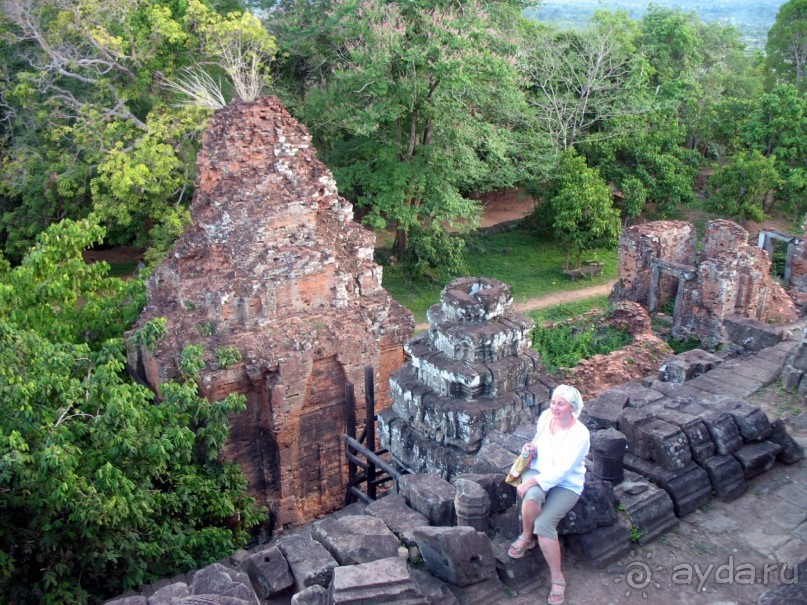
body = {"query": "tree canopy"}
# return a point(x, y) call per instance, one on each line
point(742, 187)
point(105, 485)
point(777, 128)
point(580, 82)
point(580, 207)
point(90, 120)
point(415, 107)
point(412, 106)
point(787, 43)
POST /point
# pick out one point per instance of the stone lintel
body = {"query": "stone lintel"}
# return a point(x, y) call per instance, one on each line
point(680, 270)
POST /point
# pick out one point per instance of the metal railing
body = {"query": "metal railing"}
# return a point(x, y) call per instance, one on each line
point(366, 467)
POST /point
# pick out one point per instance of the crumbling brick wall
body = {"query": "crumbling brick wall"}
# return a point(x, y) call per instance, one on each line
point(274, 266)
point(729, 278)
point(672, 241)
point(733, 279)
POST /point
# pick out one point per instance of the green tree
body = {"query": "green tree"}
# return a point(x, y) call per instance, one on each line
point(674, 48)
point(651, 149)
point(786, 46)
point(580, 81)
point(703, 73)
point(778, 128)
point(580, 207)
point(730, 81)
point(412, 106)
point(104, 486)
point(56, 294)
point(742, 186)
point(634, 198)
point(92, 122)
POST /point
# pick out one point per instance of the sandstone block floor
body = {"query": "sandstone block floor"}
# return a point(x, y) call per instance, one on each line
point(723, 553)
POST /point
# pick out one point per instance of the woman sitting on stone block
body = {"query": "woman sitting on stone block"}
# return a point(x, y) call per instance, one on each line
point(554, 481)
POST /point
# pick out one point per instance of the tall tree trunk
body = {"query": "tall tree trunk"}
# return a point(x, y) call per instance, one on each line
point(401, 242)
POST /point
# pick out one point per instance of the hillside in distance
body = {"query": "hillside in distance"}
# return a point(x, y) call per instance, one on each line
point(752, 18)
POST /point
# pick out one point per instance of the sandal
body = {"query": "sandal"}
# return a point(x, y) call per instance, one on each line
point(557, 598)
point(519, 548)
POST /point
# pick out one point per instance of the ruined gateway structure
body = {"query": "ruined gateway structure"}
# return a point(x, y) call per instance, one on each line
point(273, 267)
point(726, 287)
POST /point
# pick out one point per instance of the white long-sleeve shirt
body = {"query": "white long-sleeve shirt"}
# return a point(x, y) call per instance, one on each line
point(560, 459)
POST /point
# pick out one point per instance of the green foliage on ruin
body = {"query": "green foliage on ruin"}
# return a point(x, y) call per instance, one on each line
point(105, 485)
point(564, 345)
point(89, 120)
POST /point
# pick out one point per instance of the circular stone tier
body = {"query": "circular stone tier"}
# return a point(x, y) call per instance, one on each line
point(475, 299)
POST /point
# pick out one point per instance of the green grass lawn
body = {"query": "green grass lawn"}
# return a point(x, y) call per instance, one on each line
point(530, 265)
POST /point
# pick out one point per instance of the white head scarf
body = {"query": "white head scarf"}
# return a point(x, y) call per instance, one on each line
point(572, 395)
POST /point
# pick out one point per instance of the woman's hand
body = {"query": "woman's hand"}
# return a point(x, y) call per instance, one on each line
point(524, 486)
point(529, 448)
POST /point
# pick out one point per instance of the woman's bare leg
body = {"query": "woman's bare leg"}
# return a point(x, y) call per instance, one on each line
point(551, 550)
point(530, 510)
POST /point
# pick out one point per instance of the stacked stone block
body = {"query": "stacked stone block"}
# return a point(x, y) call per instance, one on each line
point(694, 444)
point(472, 373)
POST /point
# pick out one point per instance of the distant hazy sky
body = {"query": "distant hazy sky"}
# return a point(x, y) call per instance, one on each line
point(752, 17)
point(636, 8)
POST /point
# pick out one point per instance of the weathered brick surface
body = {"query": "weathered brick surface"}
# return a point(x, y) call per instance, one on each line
point(274, 266)
point(733, 278)
point(672, 241)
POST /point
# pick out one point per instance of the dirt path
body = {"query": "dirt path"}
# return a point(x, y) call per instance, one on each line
point(542, 302)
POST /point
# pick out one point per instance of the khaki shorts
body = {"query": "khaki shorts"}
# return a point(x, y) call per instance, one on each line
point(554, 506)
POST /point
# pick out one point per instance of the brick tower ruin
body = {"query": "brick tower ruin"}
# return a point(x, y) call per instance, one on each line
point(727, 284)
point(472, 373)
point(273, 266)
